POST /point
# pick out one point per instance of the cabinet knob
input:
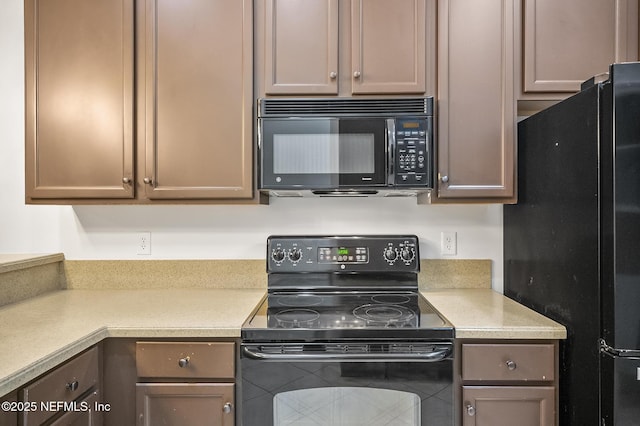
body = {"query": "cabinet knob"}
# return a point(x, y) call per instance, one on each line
point(72, 386)
point(183, 362)
point(226, 408)
point(126, 180)
point(333, 75)
point(356, 74)
point(147, 180)
point(471, 410)
point(444, 179)
point(511, 365)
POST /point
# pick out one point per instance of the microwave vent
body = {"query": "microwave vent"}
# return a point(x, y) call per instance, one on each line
point(327, 107)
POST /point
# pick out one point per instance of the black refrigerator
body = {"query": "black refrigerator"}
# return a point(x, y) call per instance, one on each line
point(572, 242)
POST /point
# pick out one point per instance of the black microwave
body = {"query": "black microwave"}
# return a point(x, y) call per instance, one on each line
point(352, 146)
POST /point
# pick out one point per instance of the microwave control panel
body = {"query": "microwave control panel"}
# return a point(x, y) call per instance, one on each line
point(413, 152)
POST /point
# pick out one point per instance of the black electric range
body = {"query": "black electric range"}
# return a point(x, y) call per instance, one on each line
point(339, 288)
point(344, 337)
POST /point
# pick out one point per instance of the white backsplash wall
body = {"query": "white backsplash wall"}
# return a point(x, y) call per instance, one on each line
point(204, 232)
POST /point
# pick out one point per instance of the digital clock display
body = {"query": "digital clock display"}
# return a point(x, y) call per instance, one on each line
point(410, 125)
point(341, 255)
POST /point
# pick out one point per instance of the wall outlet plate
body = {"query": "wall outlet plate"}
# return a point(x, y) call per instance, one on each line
point(144, 243)
point(448, 243)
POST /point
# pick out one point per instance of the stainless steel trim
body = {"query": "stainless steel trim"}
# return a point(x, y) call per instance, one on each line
point(440, 352)
point(614, 352)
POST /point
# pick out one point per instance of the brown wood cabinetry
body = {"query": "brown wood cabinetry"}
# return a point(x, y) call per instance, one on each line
point(476, 102)
point(356, 47)
point(193, 91)
point(79, 98)
point(9, 417)
point(195, 87)
point(75, 383)
point(564, 43)
point(206, 374)
point(507, 383)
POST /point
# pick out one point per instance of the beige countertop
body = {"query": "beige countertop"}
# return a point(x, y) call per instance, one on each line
point(39, 333)
point(486, 314)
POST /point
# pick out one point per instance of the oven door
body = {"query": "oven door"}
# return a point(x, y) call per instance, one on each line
point(340, 384)
point(322, 153)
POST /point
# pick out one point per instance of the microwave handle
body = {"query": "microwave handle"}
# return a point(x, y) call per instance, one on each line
point(390, 146)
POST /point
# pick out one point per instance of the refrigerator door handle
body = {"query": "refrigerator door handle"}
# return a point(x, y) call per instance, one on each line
point(613, 352)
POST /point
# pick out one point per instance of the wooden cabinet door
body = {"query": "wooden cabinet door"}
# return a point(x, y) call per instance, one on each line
point(388, 46)
point(567, 42)
point(301, 47)
point(476, 124)
point(79, 98)
point(508, 405)
point(195, 89)
point(185, 404)
point(88, 413)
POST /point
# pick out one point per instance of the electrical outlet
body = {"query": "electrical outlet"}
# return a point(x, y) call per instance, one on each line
point(144, 243)
point(448, 243)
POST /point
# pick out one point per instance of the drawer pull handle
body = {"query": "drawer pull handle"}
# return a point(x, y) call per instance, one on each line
point(72, 386)
point(511, 365)
point(226, 408)
point(471, 410)
point(183, 362)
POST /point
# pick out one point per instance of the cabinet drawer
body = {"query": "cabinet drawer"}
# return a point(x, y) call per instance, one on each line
point(508, 362)
point(65, 383)
point(186, 360)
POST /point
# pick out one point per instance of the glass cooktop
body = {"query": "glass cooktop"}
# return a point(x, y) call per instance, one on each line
point(293, 315)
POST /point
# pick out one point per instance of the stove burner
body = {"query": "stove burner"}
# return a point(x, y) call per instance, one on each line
point(300, 300)
point(297, 318)
point(384, 315)
point(390, 299)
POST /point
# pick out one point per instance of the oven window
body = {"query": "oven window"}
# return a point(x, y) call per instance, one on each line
point(297, 153)
point(346, 406)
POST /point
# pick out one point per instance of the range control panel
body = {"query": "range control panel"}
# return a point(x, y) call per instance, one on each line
point(370, 253)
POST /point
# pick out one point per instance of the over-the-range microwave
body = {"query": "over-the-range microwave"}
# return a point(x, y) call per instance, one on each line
point(345, 146)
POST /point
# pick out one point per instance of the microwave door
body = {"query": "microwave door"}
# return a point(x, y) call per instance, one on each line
point(322, 153)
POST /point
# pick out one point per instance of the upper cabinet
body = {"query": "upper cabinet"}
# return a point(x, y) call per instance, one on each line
point(192, 106)
point(388, 52)
point(195, 115)
point(564, 43)
point(301, 47)
point(336, 47)
point(79, 98)
point(476, 103)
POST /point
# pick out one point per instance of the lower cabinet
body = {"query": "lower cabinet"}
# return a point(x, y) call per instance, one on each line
point(508, 405)
point(508, 383)
point(9, 417)
point(184, 383)
point(67, 394)
point(185, 403)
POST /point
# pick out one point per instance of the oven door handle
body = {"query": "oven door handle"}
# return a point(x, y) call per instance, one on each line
point(437, 355)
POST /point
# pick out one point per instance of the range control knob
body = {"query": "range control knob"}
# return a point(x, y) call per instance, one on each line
point(407, 254)
point(295, 255)
point(277, 255)
point(390, 254)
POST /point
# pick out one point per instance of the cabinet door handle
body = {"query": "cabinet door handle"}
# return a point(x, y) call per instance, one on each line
point(511, 365)
point(126, 180)
point(183, 362)
point(445, 179)
point(72, 386)
point(356, 74)
point(226, 408)
point(471, 410)
point(147, 180)
point(333, 75)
